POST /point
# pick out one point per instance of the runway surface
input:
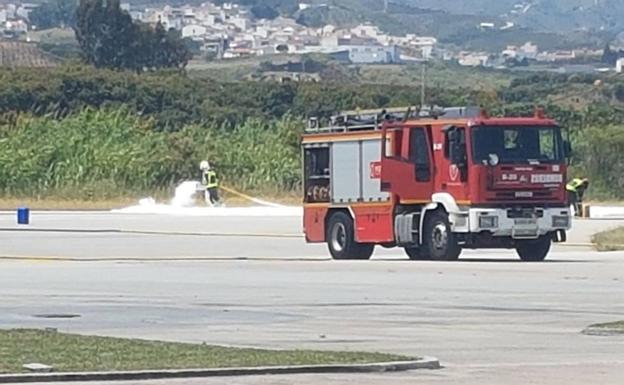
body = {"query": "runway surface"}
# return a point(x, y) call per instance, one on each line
point(489, 318)
point(96, 235)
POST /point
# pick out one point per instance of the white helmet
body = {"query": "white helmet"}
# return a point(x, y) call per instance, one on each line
point(204, 165)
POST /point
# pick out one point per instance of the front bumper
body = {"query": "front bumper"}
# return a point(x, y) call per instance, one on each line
point(500, 222)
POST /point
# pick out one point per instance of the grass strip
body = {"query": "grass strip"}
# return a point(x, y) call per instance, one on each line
point(609, 240)
point(612, 327)
point(79, 353)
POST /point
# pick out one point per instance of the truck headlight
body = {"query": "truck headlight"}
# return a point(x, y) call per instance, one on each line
point(488, 222)
point(560, 221)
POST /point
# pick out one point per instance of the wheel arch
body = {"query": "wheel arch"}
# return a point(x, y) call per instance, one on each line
point(447, 201)
point(426, 211)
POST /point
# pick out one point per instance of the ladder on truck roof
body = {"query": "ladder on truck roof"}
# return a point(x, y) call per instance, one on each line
point(368, 120)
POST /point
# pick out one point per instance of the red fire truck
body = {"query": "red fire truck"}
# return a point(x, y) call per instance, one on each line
point(435, 183)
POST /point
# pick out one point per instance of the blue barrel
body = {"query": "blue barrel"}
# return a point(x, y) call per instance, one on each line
point(23, 216)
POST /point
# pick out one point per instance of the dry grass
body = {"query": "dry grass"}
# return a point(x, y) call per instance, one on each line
point(19, 54)
point(610, 240)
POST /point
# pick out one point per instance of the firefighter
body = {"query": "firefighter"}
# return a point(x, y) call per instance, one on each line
point(576, 189)
point(210, 182)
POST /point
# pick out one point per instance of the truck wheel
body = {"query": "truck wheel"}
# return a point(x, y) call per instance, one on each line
point(439, 242)
point(416, 254)
point(534, 251)
point(341, 239)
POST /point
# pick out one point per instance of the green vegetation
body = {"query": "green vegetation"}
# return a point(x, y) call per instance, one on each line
point(610, 240)
point(77, 353)
point(610, 328)
point(99, 154)
point(85, 133)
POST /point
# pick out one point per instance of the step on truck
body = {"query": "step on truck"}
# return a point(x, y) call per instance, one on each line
point(435, 183)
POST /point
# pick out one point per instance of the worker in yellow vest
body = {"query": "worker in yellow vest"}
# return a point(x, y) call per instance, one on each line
point(210, 182)
point(576, 189)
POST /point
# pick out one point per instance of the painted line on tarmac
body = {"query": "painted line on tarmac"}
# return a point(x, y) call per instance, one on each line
point(214, 234)
point(150, 232)
point(29, 258)
point(199, 234)
point(575, 244)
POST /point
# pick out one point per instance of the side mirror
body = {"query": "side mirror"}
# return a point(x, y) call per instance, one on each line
point(567, 149)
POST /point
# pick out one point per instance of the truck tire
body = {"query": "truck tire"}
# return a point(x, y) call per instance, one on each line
point(341, 239)
point(535, 250)
point(439, 242)
point(416, 254)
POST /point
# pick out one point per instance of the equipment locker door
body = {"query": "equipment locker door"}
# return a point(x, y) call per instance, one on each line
point(408, 172)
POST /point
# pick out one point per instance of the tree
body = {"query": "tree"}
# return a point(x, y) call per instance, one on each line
point(109, 38)
point(167, 48)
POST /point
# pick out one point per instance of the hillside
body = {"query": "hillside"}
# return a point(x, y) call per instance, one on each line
point(19, 54)
point(556, 24)
point(557, 16)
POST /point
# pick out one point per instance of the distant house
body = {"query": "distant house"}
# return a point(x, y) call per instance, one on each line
point(366, 54)
point(193, 30)
point(474, 60)
point(619, 65)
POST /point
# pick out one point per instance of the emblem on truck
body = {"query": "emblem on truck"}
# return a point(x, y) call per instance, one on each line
point(453, 172)
point(375, 170)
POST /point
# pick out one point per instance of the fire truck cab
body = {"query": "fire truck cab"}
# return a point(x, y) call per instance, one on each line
point(435, 183)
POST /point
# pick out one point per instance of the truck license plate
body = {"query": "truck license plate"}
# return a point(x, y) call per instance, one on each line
point(546, 178)
point(525, 221)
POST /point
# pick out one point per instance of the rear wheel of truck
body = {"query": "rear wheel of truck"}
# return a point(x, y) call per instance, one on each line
point(341, 239)
point(534, 250)
point(439, 242)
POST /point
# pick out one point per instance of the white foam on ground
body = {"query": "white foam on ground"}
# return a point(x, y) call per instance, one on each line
point(185, 194)
point(183, 204)
point(604, 212)
point(253, 211)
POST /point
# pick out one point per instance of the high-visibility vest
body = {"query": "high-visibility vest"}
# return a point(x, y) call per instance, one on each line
point(211, 179)
point(574, 184)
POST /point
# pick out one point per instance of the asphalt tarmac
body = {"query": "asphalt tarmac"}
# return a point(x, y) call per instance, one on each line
point(242, 281)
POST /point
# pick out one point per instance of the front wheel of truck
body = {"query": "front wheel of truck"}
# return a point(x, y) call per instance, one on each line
point(534, 250)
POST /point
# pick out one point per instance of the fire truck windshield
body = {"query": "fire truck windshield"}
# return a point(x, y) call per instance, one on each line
point(517, 144)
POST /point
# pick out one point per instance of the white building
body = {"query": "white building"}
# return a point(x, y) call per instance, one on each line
point(25, 9)
point(619, 66)
point(16, 26)
point(194, 30)
point(529, 50)
point(366, 30)
point(373, 54)
point(474, 60)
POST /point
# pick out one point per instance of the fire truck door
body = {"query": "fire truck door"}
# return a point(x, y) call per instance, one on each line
point(409, 174)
